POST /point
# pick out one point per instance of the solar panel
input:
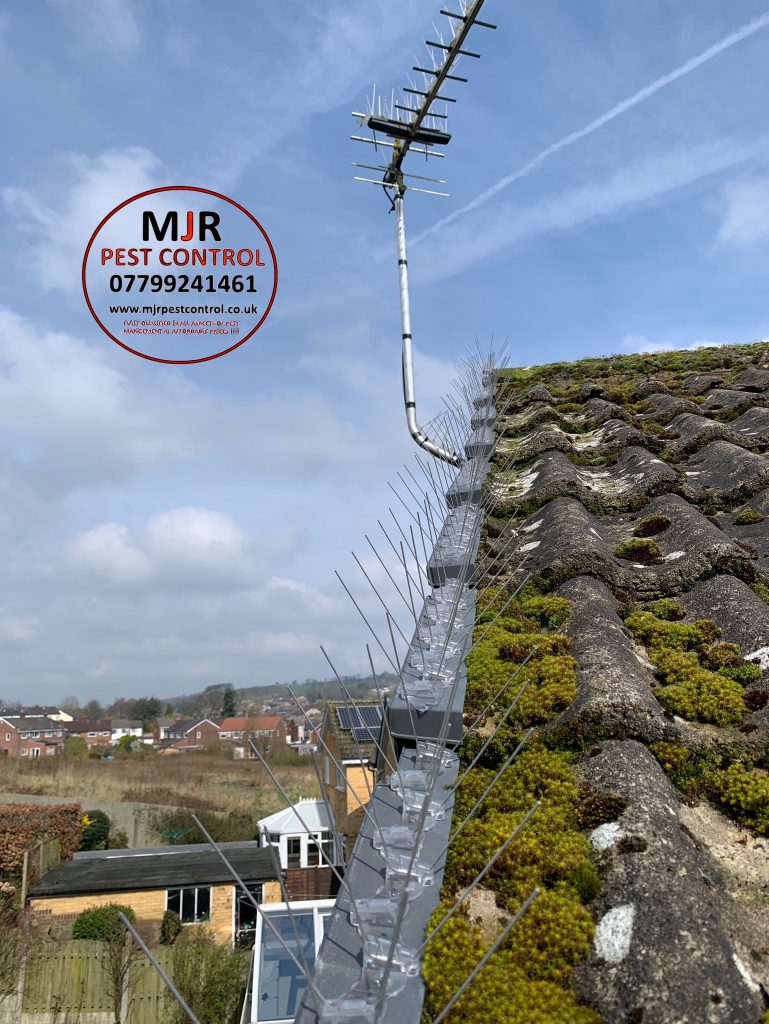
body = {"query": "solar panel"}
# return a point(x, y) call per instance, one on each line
point(365, 734)
point(368, 717)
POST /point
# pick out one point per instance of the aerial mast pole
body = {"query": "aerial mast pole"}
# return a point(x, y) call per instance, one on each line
point(419, 129)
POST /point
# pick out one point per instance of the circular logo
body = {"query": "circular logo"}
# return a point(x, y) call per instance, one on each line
point(180, 274)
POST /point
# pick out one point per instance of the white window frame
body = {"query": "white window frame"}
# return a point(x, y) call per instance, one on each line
point(181, 889)
point(7, 737)
point(320, 909)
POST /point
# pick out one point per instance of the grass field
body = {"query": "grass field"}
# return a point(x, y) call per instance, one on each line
point(199, 781)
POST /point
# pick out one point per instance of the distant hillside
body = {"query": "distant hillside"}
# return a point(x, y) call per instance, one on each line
point(208, 702)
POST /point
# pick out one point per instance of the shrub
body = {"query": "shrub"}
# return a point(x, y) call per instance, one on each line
point(641, 550)
point(170, 927)
point(210, 977)
point(24, 825)
point(102, 924)
point(748, 516)
point(117, 839)
point(96, 826)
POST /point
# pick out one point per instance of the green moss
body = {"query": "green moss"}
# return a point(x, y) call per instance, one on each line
point(762, 590)
point(635, 549)
point(569, 407)
point(685, 656)
point(502, 993)
point(696, 693)
point(549, 611)
point(748, 516)
point(745, 792)
point(528, 980)
point(742, 790)
point(651, 526)
point(667, 608)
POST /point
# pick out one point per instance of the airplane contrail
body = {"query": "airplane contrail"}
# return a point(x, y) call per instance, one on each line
point(744, 32)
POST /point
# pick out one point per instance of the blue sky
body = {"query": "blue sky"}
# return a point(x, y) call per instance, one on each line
point(166, 528)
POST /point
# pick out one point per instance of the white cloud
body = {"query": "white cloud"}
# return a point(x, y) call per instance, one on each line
point(108, 550)
point(746, 212)
point(640, 343)
point(59, 230)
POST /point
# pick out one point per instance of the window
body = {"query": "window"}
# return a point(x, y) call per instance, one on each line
point(246, 915)
point(91, 733)
point(279, 986)
point(36, 734)
point(7, 737)
point(198, 734)
point(23, 751)
point(294, 851)
point(24, 735)
point(192, 904)
point(320, 841)
point(340, 779)
point(34, 751)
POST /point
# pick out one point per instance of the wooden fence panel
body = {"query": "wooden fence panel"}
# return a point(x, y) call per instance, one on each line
point(70, 974)
point(71, 977)
point(149, 1000)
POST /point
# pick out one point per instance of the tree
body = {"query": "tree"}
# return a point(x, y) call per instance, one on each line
point(93, 710)
point(103, 925)
point(147, 709)
point(229, 703)
point(75, 748)
point(72, 706)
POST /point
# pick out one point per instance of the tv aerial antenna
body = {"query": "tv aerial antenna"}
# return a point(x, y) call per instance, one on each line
point(414, 125)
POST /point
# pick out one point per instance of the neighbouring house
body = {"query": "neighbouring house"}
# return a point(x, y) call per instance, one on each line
point(96, 732)
point(160, 728)
point(255, 727)
point(125, 727)
point(192, 733)
point(34, 736)
point(190, 880)
point(304, 841)
point(348, 745)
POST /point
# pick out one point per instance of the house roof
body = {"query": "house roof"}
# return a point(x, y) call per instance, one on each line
point(155, 868)
point(626, 481)
point(349, 748)
point(247, 723)
point(33, 722)
point(89, 725)
point(127, 723)
point(190, 724)
point(309, 815)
